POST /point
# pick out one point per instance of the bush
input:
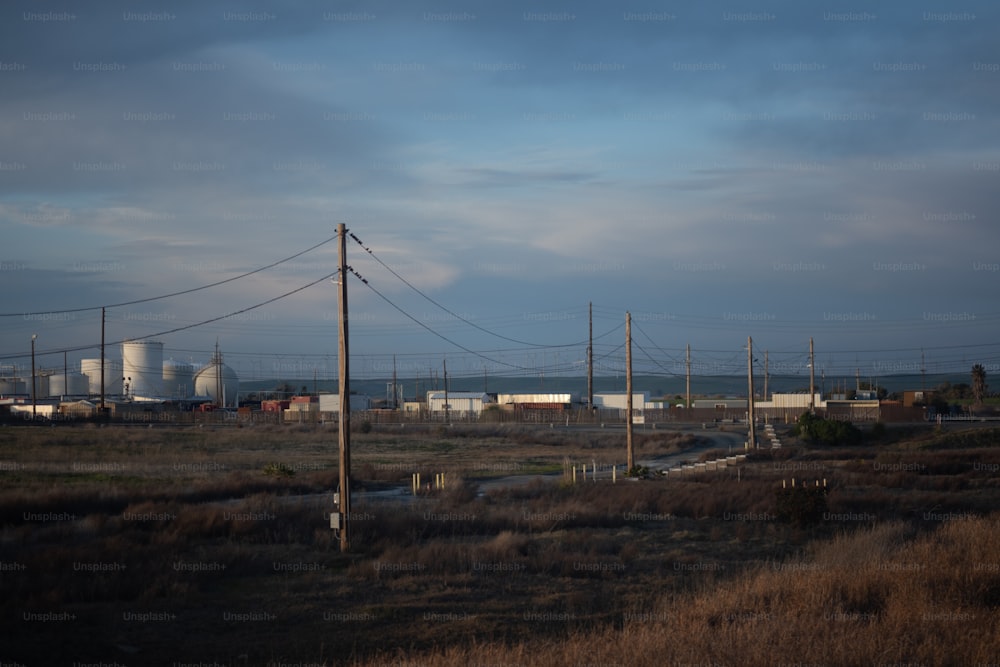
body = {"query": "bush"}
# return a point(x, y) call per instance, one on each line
point(278, 470)
point(802, 505)
point(827, 431)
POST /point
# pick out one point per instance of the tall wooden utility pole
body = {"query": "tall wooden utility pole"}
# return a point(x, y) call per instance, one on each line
point(923, 373)
point(103, 408)
point(752, 433)
point(395, 392)
point(687, 400)
point(766, 375)
point(34, 385)
point(628, 390)
point(447, 410)
point(344, 423)
point(590, 358)
point(812, 378)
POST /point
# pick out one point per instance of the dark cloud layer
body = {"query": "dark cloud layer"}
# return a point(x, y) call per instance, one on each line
point(785, 167)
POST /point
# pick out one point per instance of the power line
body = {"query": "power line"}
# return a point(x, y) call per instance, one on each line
point(181, 293)
point(439, 335)
point(187, 326)
point(449, 311)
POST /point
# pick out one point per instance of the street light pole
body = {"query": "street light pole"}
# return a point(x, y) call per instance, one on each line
point(34, 390)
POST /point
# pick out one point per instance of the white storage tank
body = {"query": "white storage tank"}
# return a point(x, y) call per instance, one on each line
point(40, 387)
point(12, 386)
point(219, 382)
point(142, 361)
point(68, 384)
point(178, 379)
point(112, 376)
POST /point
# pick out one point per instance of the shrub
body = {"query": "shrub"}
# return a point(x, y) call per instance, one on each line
point(278, 470)
point(802, 505)
point(822, 431)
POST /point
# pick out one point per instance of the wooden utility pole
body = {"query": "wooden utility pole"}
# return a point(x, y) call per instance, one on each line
point(630, 463)
point(344, 423)
point(447, 411)
point(766, 375)
point(103, 408)
point(687, 400)
point(395, 392)
point(590, 358)
point(923, 373)
point(752, 432)
point(812, 378)
point(34, 385)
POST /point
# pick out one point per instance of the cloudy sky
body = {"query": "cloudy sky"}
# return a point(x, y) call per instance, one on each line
point(722, 169)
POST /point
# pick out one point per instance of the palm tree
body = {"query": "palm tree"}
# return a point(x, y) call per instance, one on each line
point(978, 383)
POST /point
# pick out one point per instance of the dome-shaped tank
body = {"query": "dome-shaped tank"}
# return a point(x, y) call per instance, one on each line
point(219, 382)
point(142, 361)
point(68, 384)
point(178, 379)
point(112, 376)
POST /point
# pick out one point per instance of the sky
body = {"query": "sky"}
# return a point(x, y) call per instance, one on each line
point(721, 170)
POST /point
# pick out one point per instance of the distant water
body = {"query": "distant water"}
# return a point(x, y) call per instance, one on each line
point(706, 385)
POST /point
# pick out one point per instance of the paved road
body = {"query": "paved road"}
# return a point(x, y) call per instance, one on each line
point(728, 440)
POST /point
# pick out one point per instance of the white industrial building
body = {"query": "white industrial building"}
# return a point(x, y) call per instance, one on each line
point(331, 403)
point(720, 403)
point(790, 402)
point(535, 399)
point(458, 402)
point(619, 401)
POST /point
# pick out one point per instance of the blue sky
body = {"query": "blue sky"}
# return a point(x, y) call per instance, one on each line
point(781, 170)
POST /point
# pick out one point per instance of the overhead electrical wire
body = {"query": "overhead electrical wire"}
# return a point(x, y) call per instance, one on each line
point(181, 328)
point(173, 294)
point(439, 335)
point(449, 311)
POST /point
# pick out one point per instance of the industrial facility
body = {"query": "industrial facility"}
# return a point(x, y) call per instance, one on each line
point(140, 376)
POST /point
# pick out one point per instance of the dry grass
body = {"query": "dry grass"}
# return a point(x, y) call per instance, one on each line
point(690, 569)
point(878, 596)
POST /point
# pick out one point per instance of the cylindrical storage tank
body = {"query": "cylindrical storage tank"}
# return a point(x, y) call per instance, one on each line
point(207, 382)
point(178, 379)
point(112, 376)
point(142, 361)
point(68, 384)
point(40, 387)
point(12, 386)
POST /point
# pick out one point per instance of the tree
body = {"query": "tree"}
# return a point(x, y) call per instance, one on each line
point(818, 430)
point(284, 390)
point(978, 384)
